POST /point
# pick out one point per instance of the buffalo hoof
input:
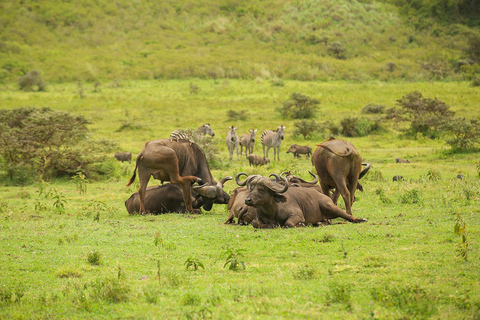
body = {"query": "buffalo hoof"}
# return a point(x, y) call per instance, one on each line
point(359, 220)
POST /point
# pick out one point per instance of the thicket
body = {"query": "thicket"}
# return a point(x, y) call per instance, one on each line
point(299, 106)
point(307, 128)
point(40, 143)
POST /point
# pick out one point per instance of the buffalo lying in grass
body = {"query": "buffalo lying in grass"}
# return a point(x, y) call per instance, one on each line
point(275, 204)
point(169, 198)
point(181, 162)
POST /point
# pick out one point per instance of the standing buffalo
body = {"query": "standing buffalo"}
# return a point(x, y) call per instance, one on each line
point(181, 162)
point(339, 166)
point(169, 198)
point(271, 139)
point(276, 204)
point(248, 141)
point(298, 150)
point(232, 141)
point(254, 160)
point(123, 156)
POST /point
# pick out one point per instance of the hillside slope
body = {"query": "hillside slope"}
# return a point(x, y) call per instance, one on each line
point(306, 40)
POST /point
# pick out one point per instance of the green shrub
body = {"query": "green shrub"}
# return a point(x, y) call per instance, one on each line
point(307, 128)
point(94, 258)
point(299, 106)
point(373, 109)
point(466, 133)
point(110, 290)
point(426, 116)
point(337, 50)
point(47, 143)
point(413, 196)
point(305, 273)
point(233, 115)
point(32, 81)
point(340, 294)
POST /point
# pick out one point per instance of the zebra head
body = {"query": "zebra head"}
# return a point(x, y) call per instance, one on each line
point(252, 134)
point(281, 131)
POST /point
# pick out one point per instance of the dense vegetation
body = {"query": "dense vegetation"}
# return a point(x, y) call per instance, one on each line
point(304, 40)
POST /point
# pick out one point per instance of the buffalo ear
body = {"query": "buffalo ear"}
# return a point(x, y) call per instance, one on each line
point(279, 198)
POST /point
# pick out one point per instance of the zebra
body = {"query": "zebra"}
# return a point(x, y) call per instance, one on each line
point(190, 135)
point(271, 139)
point(248, 141)
point(232, 141)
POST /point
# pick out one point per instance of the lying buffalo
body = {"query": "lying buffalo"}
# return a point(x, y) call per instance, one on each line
point(245, 214)
point(169, 198)
point(339, 166)
point(275, 204)
point(181, 162)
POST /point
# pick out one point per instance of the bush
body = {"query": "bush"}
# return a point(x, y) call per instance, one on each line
point(373, 108)
point(307, 128)
point(425, 115)
point(233, 115)
point(32, 81)
point(355, 127)
point(466, 133)
point(299, 106)
point(47, 143)
point(337, 50)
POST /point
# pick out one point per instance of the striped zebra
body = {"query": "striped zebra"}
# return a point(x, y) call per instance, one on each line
point(190, 135)
point(178, 135)
point(273, 139)
point(232, 141)
point(248, 141)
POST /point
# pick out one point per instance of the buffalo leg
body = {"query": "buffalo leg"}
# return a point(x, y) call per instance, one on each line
point(295, 220)
point(331, 211)
point(342, 188)
point(325, 189)
point(144, 177)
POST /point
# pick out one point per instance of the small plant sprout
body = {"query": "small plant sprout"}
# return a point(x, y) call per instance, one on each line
point(233, 259)
point(94, 258)
point(460, 229)
point(81, 182)
point(193, 263)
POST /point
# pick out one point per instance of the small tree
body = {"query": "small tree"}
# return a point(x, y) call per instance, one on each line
point(425, 115)
point(32, 81)
point(307, 128)
point(299, 106)
point(43, 142)
point(466, 133)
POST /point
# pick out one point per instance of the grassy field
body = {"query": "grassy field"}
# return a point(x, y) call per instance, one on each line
point(69, 249)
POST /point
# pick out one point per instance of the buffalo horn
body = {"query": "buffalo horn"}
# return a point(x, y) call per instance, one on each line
point(207, 191)
point(237, 179)
point(315, 178)
point(277, 187)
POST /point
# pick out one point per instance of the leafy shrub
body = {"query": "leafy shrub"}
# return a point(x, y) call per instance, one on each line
point(466, 132)
point(433, 174)
point(355, 127)
point(299, 106)
point(111, 290)
point(337, 50)
point(475, 81)
point(193, 263)
point(233, 115)
point(32, 81)
point(233, 259)
point(306, 128)
point(373, 109)
point(47, 143)
point(413, 196)
point(382, 196)
point(94, 258)
point(425, 115)
point(194, 89)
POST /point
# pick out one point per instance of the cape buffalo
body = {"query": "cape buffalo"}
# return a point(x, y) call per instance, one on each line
point(245, 214)
point(276, 204)
point(180, 162)
point(339, 166)
point(169, 198)
point(298, 150)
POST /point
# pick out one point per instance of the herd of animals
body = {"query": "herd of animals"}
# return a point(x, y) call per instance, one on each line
point(264, 202)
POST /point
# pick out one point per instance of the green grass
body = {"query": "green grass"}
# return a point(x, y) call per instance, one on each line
point(91, 259)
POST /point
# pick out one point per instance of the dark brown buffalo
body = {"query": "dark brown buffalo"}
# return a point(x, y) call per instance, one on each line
point(169, 198)
point(398, 160)
point(180, 162)
point(298, 150)
point(123, 156)
point(339, 166)
point(254, 160)
point(276, 204)
point(245, 214)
